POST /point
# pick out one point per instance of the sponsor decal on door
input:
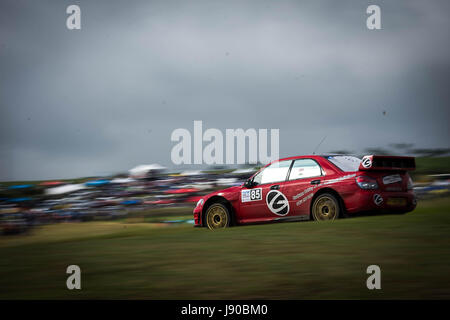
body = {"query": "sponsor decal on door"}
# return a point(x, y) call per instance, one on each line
point(277, 202)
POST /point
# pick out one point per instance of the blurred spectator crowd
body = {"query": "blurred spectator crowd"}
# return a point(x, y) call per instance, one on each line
point(145, 187)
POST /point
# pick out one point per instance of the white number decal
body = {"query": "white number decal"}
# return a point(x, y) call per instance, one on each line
point(251, 195)
point(255, 194)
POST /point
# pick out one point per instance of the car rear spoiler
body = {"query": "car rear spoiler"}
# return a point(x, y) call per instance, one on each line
point(390, 163)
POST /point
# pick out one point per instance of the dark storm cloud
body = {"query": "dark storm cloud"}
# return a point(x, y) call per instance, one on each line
point(107, 97)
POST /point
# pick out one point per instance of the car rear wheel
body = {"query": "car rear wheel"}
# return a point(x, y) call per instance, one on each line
point(325, 207)
point(217, 216)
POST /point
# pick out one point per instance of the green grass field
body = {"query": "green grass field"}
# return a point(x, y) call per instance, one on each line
point(302, 260)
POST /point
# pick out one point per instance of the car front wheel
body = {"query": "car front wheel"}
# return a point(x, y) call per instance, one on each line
point(217, 216)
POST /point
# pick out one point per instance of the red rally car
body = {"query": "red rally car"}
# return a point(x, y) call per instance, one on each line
point(312, 187)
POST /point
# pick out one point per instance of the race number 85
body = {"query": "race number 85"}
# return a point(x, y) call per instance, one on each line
point(256, 194)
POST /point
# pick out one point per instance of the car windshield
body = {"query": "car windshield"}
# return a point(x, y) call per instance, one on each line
point(345, 163)
point(275, 172)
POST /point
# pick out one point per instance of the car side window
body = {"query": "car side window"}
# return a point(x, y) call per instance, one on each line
point(305, 168)
point(276, 172)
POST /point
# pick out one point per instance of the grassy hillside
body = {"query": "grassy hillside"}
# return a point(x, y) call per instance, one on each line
point(303, 260)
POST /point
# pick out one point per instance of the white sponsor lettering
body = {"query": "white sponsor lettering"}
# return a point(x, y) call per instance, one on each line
point(392, 179)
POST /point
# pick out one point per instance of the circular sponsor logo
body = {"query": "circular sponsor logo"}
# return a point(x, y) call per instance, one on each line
point(277, 202)
point(378, 199)
point(366, 162)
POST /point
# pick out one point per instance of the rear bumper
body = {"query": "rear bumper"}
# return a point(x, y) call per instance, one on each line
point(375, 200)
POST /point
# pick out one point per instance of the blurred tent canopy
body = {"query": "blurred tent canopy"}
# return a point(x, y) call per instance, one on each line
point(122, 180)
point(21, 186)
point(65, 189)
point(97, 182)
point(20, 199)
point(244, 171)
point(50, 183)
point(191, 173)
point(143, 170)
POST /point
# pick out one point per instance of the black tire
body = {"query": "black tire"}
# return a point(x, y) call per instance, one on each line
point(326, 207)
point(217, 216)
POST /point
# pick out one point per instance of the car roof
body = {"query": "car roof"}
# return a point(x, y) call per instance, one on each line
point(315, 156)
point(312, 156)
point(319, 158)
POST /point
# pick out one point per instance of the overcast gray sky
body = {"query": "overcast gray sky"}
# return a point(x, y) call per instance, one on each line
point(105, 98)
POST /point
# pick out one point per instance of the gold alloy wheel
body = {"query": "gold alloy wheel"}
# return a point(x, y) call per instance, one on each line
point(325, 207)
point(217, 216)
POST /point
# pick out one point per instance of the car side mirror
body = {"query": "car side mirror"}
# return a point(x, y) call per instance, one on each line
point(249, 183)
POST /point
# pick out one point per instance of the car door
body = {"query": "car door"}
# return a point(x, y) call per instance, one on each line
point(304, 178)
point(264, 200)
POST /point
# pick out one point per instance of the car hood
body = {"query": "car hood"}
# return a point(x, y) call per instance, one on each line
point(230, 194)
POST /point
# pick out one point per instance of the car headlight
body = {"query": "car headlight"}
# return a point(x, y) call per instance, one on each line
point(200, 202)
